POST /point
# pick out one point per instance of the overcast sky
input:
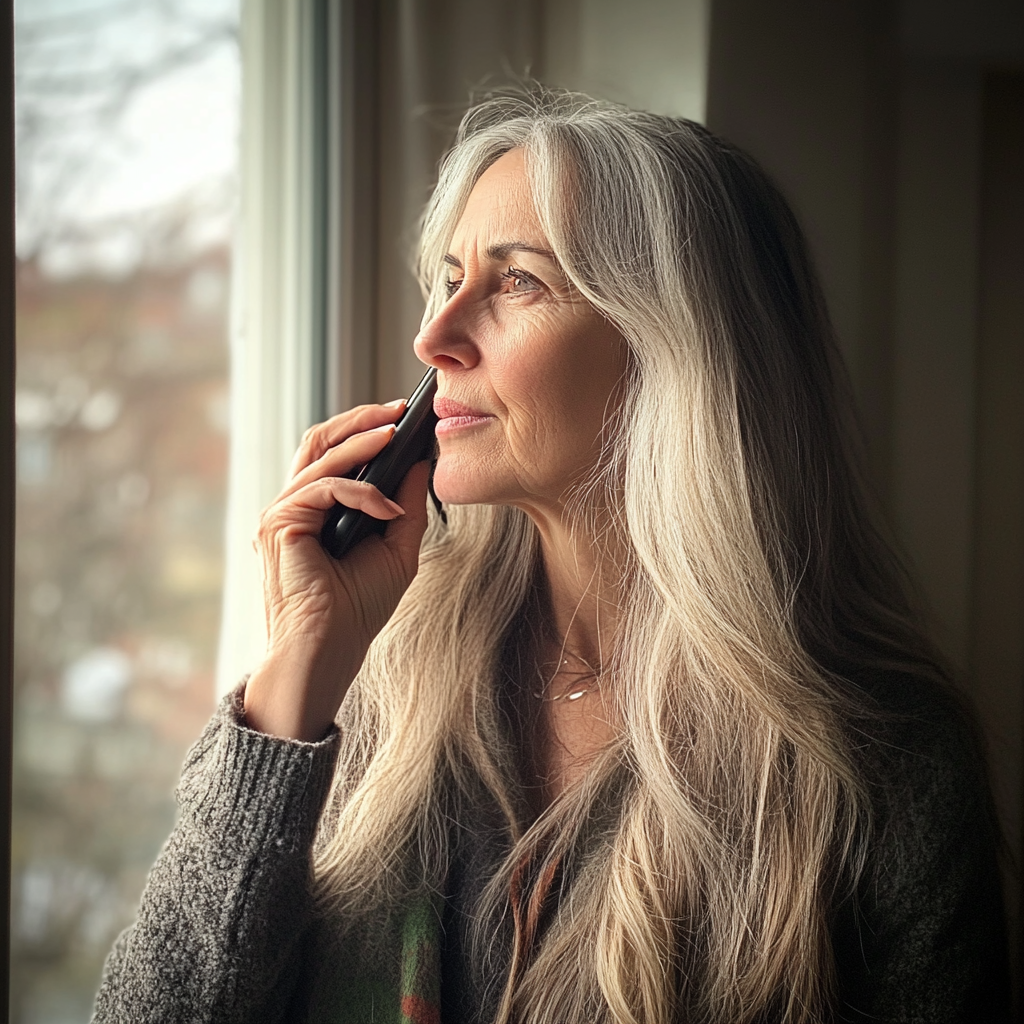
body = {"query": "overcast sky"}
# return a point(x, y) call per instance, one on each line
point(125, 107)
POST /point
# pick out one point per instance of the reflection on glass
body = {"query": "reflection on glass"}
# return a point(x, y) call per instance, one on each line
point(127, 133)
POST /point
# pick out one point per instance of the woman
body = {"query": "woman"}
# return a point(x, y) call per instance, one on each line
point(646, 732)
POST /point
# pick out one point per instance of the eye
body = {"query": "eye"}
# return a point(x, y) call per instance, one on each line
point(451, 287)
point(521, 281)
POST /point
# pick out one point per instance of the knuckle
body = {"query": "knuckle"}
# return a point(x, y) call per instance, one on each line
point(364, 488)
point(312, 436)
point(268, 523)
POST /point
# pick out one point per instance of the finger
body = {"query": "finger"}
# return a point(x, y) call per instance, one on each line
point(303, 511)
point(323, 436)
point(405, 533)
point(350, 454)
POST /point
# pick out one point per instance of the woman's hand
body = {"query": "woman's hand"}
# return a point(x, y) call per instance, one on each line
point(323, 613)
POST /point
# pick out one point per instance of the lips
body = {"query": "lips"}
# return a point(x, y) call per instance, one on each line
point(446, 408)
point(454, 417)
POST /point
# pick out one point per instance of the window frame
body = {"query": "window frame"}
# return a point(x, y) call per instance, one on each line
point(303, 293)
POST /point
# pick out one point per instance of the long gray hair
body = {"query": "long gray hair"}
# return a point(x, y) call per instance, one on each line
point(755, 593)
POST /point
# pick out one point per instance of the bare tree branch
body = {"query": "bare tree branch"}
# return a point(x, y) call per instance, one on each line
point(78, 74)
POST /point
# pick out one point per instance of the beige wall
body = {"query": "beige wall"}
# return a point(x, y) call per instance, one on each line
point(650, 54)
point(931, 473)
point(902, 156)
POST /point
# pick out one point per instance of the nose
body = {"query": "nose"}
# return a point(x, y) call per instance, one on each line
point(446, 342)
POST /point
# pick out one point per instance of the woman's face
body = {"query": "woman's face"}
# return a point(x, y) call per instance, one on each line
point(526, 366)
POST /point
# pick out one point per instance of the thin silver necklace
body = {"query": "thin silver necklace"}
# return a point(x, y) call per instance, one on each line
point(575, 690)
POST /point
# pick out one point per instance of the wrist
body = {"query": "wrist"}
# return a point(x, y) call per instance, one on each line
point(295, 693)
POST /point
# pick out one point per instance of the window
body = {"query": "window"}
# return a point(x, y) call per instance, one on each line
point(127, 125)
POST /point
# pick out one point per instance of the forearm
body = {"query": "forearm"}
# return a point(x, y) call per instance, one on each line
point(226, 904)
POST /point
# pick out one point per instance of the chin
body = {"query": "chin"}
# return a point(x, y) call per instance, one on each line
point(456, 484)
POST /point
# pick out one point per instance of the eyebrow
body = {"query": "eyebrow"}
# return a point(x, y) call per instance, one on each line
point(502, 250)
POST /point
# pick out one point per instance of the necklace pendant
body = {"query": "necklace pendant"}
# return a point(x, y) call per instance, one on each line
point(563, 668)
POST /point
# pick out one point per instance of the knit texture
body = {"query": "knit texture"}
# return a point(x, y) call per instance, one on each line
point(226, 930)
point(224, 907)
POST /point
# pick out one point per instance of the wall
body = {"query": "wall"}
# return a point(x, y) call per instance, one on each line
point(897, 138)
point(995, 633)
point(649, 54)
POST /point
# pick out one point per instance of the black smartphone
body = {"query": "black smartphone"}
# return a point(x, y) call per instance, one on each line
point(412, 442)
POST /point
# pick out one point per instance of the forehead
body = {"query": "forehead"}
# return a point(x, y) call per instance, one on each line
point(500, 206)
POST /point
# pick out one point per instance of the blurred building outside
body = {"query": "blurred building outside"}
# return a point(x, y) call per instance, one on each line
point(126, 186)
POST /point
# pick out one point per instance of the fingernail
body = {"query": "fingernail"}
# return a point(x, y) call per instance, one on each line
point(378, 430)
point(395, 403)
point(395, 507)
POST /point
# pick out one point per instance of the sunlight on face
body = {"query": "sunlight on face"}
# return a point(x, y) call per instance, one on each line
point(526, 366)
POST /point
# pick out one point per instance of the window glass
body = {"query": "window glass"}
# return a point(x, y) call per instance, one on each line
point(127, 123)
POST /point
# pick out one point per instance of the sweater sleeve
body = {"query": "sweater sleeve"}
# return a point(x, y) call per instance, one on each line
point(924, 942)
point(222, 917)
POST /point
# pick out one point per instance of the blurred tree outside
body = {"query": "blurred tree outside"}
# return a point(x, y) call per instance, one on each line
point(127, 124)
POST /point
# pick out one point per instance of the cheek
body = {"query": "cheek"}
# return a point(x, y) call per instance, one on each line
point(554, 382)
point(531, 369)
point(552, 410)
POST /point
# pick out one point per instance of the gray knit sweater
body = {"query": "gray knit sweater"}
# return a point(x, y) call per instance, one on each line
point(226, 930)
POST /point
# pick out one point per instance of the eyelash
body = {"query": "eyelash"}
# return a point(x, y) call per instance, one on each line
point(451, 287)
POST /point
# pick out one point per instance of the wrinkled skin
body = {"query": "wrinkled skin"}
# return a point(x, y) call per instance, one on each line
point(515, 341)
